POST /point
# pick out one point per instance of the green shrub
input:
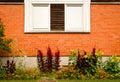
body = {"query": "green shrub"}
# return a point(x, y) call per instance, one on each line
point(4, 47)
point(68, 73)
point(86, 63)
point(23, 74)
point(114, 76)
point(112, 65)
point(2, 70)
point(4, 43)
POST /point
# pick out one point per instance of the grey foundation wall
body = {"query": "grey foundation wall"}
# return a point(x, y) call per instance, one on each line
point(32, 61)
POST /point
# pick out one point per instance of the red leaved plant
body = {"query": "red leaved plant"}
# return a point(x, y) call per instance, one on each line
point(10, 67)
point(40, 60)
point(49, 59)
point(57, 60)
point(48, 63)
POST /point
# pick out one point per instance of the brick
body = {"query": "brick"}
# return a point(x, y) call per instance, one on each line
point(105, 35)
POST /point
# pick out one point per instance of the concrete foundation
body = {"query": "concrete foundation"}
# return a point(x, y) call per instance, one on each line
point(32, 61)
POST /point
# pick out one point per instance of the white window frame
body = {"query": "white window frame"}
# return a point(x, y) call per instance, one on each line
point(28, 28)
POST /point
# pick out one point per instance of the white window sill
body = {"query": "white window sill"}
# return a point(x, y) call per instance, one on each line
point(57, 32)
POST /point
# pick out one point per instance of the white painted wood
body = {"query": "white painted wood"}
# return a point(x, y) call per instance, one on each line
point(74, 18)
point(86, 12)
point(40, 16)
point(56, 0)
point(77, 18)
point(43, 2)
point(28, 13)
point(32, 19)
point(70, 0)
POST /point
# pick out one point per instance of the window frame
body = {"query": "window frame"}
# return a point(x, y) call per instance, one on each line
point(28, 16)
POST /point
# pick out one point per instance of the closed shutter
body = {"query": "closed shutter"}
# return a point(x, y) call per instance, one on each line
point(40, 17)
point(74, 18)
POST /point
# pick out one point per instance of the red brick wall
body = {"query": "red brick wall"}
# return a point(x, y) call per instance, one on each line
point(105, 32)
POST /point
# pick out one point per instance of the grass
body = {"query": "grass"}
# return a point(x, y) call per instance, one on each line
point(89, 80)
point(106, 80)
point(18, 81)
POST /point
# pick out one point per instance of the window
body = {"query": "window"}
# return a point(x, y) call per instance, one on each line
point(57, 16)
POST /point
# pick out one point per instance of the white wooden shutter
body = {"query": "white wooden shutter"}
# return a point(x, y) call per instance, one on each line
point(41, 17)
point(71, 0)
point(74, 18)
point(42, 0)
point(37, 17)
point(86, 16)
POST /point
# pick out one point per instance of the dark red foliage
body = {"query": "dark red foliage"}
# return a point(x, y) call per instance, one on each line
point(46, 64)
point(93, 51)
point(79, 61)
point(10, 67)
point(84, 63)
point(40, 60)
point(85, 53)
point(57, 59)
point(49, 59)
point(94, 59)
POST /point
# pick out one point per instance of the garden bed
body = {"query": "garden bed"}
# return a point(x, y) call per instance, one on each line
point(81, 66)
point(105, 80)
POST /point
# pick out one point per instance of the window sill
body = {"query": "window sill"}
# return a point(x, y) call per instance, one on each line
point(12, 3)
point(60, 32)
point(105, 3)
